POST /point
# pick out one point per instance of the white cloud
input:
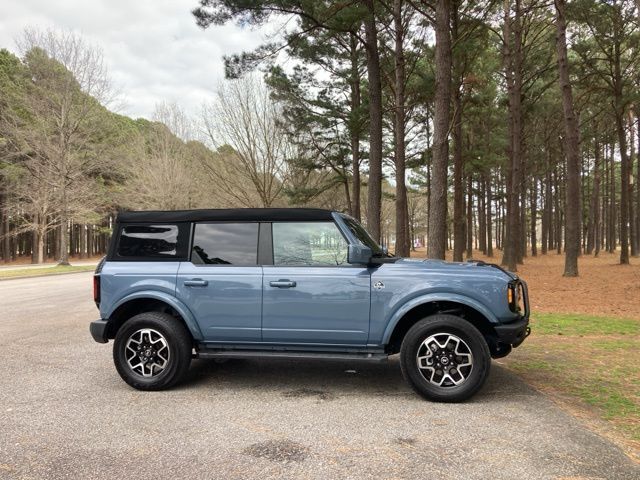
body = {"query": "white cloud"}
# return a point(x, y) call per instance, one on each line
point(153, 48)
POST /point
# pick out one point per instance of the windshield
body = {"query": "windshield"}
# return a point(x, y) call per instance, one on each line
point(363, 237)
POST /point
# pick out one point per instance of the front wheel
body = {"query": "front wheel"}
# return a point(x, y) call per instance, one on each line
point(152, 351)
point(445, 358)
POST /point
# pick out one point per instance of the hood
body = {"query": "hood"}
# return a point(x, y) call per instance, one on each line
point(470, 266)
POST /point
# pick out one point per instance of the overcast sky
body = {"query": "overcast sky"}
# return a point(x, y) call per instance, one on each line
point(154, 49)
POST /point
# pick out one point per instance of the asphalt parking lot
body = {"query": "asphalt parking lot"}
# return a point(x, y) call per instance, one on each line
point(65, 413)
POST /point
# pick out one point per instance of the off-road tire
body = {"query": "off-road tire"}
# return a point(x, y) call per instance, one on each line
point(460, 328)
point(179, 343)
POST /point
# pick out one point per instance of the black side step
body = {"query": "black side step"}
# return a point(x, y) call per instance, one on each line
point(212, 353)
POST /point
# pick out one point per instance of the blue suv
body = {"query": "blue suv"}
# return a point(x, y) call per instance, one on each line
point(296, 283)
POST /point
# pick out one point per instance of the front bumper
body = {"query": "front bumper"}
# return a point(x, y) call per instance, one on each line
point(98, 330)
point(513, 333)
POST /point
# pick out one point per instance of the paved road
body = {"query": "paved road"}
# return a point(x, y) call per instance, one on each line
point(64, 413)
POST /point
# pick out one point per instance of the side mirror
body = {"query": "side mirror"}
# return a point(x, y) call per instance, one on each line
point(359, 255)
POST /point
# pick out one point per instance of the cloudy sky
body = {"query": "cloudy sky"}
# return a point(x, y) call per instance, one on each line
point(154, 49)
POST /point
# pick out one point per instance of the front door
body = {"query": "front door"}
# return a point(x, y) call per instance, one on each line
point(311, 295)
point(222, 282)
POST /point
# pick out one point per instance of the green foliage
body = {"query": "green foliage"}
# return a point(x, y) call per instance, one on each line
point(568, 324)
point(37, 272)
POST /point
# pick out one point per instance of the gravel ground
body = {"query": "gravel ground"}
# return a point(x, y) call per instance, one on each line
point(65, 413)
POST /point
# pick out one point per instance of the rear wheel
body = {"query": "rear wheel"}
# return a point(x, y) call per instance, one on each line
point(445, 358)
point(152, 351)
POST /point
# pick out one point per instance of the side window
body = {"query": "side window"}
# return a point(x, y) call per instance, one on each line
point(225, 244)
point(314, 244)
point(149, 242)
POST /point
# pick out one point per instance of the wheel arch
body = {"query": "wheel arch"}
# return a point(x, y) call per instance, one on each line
point(150, 301)
point(468, 309)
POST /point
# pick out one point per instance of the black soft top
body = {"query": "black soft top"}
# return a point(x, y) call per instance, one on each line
point(226, 214)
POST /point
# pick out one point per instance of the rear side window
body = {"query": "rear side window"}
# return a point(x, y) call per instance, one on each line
point(152, 242)
point(225, 244)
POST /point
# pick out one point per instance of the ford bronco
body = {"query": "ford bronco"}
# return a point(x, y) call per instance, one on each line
point(296, 283)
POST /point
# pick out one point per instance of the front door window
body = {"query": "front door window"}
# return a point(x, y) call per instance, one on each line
point(308, 244)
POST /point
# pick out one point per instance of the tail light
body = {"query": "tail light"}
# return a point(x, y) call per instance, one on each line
point(96, 289)
point(96, 281)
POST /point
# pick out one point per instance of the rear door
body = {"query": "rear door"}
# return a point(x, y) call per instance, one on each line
point(222, 281)
point(311, 294)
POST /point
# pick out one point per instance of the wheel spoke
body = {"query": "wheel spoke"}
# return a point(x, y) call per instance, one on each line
point(147, 352)
point(444, 360)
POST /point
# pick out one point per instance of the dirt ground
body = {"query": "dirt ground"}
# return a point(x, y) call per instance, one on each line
point(603, 288)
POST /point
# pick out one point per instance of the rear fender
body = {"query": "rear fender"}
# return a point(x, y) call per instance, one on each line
point(173, 302)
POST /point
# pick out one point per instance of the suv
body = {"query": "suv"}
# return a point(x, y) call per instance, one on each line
point(296, 283)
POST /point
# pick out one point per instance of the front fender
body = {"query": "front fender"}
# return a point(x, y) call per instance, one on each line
point(176, 304)
point(434, 297)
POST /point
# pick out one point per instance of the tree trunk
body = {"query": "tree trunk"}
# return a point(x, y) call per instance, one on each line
point(624, 158)
point(458, 185)
point(624, 191)
point(482, 215)
point(438, 192)
point(613, 214)
point(5, 238)
point(633, 240)
point(637, 179)
point(355, 128)
point(402, 221)
point(638, 176)
point(63, 249)
point(557, 221)
point(546, 208)
point(458, 166)
point(489, 219)
point(469, 227)
point(594, 207)
point(522, 247)
point(374, 201)
point(572, 148)
point(82, 241)
point(34, 247)
point(534, 218)
point(513, 69)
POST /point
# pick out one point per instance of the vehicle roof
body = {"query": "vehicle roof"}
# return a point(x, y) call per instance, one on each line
point(226, 214)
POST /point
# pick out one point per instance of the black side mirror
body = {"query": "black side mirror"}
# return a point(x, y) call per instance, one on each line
point(359, 255)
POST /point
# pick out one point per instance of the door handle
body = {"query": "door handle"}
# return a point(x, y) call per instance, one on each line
point(283, 284)
point(196, 282)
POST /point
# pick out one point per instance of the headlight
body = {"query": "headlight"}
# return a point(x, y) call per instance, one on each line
point(512, 297)
point(515, 296)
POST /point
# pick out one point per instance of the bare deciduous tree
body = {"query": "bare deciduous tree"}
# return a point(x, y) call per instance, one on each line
point(242, 123)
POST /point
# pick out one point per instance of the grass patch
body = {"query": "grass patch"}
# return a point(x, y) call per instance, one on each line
point(36, 272)
point(571, 324)
point(589, 363)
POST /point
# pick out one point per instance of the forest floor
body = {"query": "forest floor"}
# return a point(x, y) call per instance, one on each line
point(584, 349)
